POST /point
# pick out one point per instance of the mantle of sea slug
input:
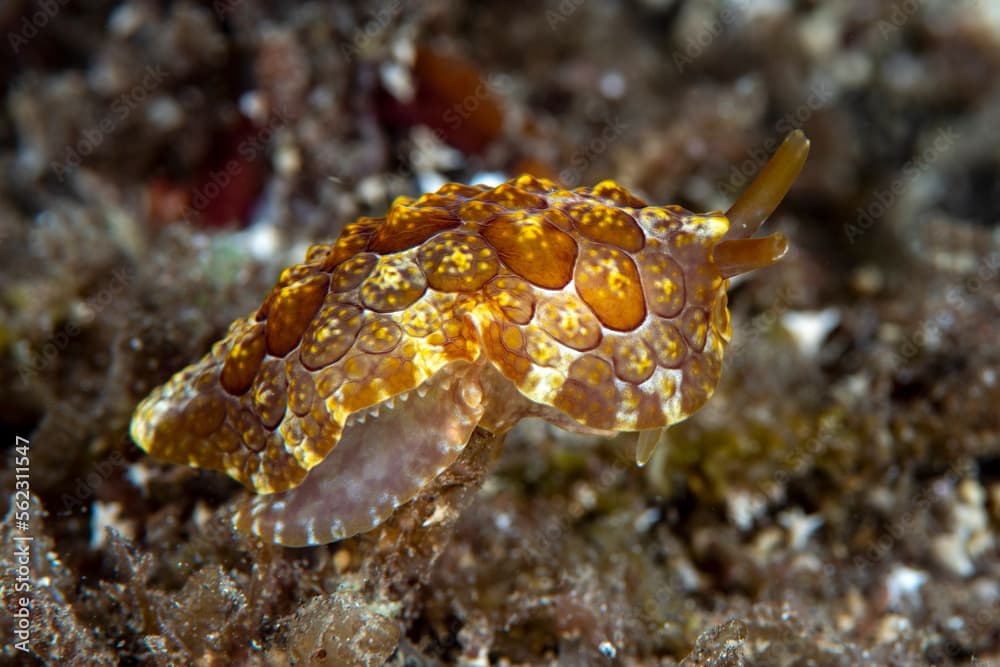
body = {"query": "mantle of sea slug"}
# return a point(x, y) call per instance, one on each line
point(381, 462)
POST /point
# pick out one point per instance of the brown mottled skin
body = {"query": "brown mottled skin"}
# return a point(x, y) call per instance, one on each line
point(468, 306)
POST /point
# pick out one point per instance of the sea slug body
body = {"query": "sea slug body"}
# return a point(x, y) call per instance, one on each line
point(367, 368)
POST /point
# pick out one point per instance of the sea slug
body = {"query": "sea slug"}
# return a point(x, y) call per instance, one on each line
point(368, 366)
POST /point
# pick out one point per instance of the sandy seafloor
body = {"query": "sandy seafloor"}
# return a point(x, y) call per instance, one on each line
point(837, 502)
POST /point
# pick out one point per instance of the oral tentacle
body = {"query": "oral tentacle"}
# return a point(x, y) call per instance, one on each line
point(744, 255)
point(646, 444)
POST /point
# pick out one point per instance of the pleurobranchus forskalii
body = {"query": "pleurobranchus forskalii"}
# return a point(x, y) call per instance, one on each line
point(367, 368)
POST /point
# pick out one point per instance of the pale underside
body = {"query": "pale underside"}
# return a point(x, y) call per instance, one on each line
point(382, 460)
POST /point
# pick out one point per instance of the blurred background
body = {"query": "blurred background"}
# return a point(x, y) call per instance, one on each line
point(836, 503)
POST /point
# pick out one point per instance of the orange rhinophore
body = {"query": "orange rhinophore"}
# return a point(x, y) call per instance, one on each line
point(367, 368)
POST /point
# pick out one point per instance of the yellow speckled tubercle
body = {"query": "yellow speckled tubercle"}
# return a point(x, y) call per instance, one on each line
point(367, 367)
